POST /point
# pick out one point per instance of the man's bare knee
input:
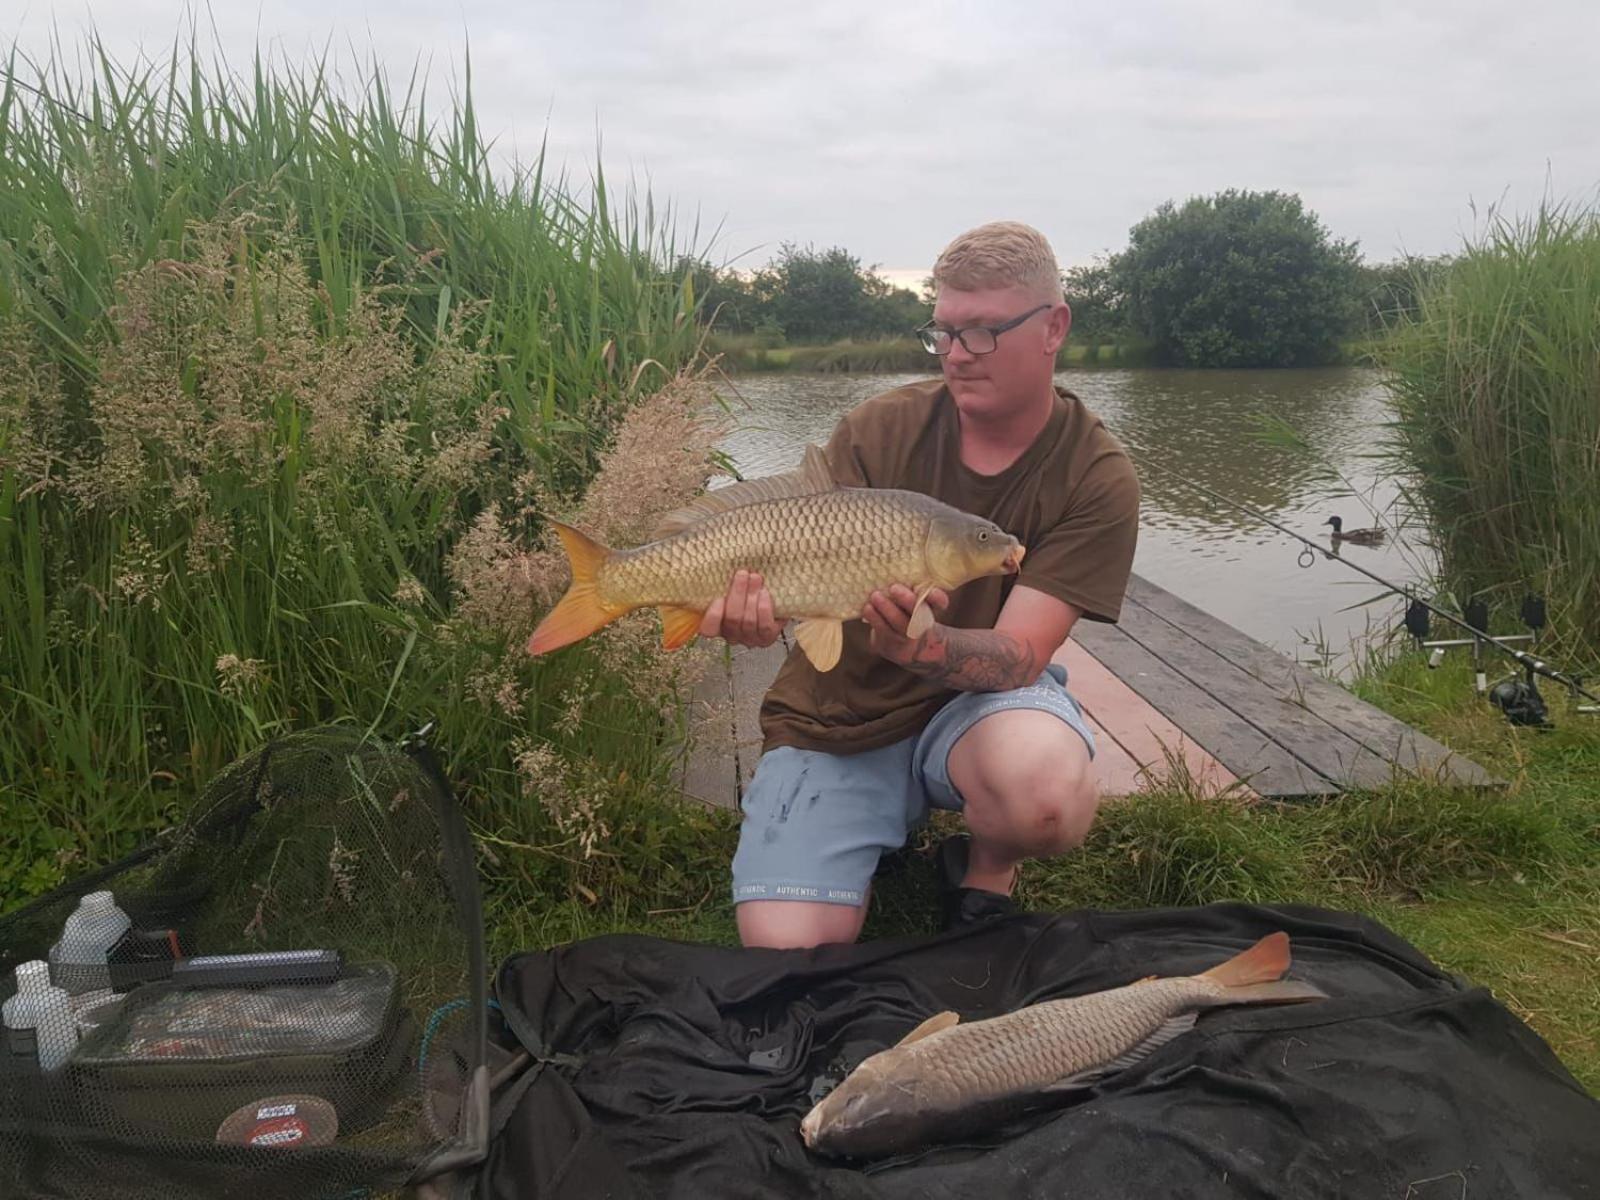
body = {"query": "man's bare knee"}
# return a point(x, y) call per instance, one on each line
point(1035, 794)
point(797, 924)
point(1050, 805)
point(1069, 798)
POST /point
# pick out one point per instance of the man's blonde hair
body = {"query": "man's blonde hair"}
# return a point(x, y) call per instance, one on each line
point(999, 254)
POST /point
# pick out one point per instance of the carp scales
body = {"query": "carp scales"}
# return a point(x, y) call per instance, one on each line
point(821, 548)
point(948, 1080)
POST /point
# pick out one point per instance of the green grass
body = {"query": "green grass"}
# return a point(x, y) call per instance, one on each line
point(1494, 379)
point(272, 352)
point(1502, 887)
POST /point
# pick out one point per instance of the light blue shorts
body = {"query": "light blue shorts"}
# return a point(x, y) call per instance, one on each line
point(815, 823)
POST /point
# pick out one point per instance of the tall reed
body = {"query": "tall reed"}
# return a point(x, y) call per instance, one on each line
point(1496, 386)
point(288, 379)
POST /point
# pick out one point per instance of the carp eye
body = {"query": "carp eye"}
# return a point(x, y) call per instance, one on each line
point(983, 535)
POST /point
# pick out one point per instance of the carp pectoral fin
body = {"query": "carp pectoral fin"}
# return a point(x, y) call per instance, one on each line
point(679, 626)
point(1165, 1032)
point(1279, 991)
point(932, 1025)
point(823, 642)
point(921, 615)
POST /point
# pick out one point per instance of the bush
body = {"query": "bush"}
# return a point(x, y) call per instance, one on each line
point(286, 386)
point(1240, 279)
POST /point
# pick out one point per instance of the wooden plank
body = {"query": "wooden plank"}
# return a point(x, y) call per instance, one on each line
point(753, 672)
point(1385, 735)
point(1321, 746)
point(754, 669)
point(1171, 678)
point(1115, 770)
point(1241, 745)
point(712, 777)
point(711, 772)
point(1143, 732)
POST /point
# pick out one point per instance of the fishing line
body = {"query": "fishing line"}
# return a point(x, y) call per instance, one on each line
point(5, 72)
point(1535, 666)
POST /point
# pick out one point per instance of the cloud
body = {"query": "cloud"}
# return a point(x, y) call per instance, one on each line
point(889, 127)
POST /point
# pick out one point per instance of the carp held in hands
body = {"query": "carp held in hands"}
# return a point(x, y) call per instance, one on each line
point(821, 548)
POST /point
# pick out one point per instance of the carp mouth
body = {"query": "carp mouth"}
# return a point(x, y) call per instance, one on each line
point(1013, 562)
point(810, 1125)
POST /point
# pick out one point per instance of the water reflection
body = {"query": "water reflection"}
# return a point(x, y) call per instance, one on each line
point(1205, 426)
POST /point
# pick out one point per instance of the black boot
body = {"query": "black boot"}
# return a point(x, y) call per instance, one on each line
point(961, 905)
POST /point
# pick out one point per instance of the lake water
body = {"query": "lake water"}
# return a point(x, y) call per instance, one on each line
point(1204, 425)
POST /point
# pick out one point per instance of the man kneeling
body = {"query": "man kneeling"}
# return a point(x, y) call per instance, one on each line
point(972, 716)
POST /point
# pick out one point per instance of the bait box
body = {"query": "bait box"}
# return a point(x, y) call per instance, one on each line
point(176, 1061)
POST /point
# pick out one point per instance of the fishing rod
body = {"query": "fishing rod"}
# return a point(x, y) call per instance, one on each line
point(1519, 700)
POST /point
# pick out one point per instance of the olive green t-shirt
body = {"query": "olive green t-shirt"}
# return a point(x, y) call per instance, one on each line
point(1072, 498)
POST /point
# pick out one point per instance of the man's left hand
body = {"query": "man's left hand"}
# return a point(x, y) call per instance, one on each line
point(888, 614)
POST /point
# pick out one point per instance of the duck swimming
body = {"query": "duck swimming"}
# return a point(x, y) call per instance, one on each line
point(1361, 537)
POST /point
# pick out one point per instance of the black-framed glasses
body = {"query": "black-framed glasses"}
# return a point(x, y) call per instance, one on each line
point(977, 339)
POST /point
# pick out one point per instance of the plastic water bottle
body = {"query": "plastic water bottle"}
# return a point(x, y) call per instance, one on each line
point(38, 1019)
point(78, 960)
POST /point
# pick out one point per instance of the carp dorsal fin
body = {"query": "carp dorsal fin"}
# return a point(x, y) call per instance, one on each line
point(811, 477)
point(932, 1025)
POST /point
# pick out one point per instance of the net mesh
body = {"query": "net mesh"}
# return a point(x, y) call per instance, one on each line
point(293, 1004)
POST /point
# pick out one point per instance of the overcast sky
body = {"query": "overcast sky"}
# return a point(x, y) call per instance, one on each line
point(890, 127)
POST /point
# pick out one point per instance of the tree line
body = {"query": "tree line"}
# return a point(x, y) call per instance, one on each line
point(1235, 279)
point(804, 295)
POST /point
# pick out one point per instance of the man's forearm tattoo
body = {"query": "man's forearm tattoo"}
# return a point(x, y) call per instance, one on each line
point(974, 660)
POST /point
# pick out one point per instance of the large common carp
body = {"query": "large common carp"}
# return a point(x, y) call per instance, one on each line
point(945, 1079)
point(821, 548)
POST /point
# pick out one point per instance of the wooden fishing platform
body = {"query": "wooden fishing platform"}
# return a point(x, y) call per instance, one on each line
point(1169, 688)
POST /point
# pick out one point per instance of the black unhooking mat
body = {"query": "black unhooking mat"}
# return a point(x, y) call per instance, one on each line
point(670, 1070)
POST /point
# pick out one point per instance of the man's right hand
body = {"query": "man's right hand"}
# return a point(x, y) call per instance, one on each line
point(744, 616)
